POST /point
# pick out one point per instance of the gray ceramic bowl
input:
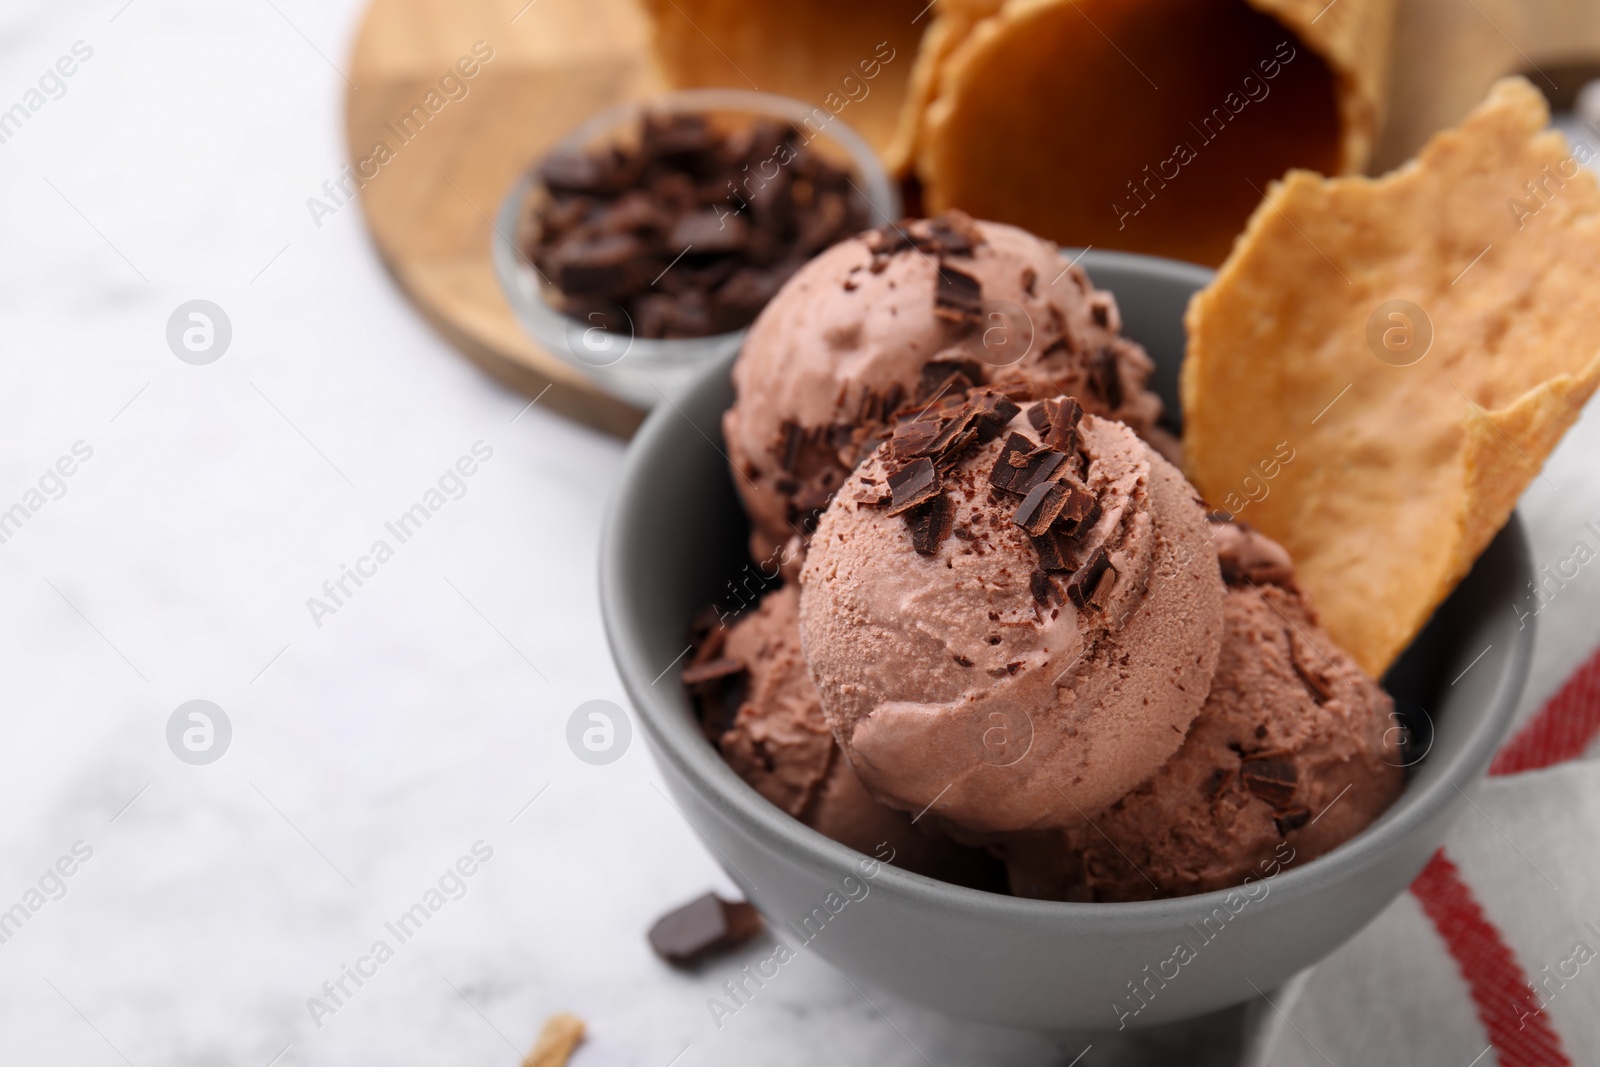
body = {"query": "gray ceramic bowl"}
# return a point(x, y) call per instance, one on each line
point(674, 541)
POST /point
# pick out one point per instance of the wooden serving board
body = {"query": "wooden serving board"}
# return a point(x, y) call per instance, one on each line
point(556, 62)
point(429, 206)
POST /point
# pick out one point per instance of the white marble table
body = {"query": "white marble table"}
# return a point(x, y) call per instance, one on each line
point(374, 744)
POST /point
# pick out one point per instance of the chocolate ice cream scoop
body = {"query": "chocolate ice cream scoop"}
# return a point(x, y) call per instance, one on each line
point(897, 317)
point(1295, 751)
point(1012, 619)
point(779, 742)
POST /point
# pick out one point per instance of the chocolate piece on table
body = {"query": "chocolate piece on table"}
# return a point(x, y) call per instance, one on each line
point(701, 928)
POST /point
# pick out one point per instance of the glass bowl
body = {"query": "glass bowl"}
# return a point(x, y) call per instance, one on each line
point(641, 370)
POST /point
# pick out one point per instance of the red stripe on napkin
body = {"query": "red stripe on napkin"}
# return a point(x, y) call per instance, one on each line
point(1507, 1006)
point(1559, 731)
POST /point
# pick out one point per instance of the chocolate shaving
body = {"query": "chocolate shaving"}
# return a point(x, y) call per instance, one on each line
point(950, 454)
point(954, 375)
point(886, 240)
point(1315, 679)
point(1054, 552)
point(1081, 586)
point(959, 297)
point(1079, 511)
point(1040, 507)
point(1057, 423)
point(1049, 501)
point(950, 234)
point(1018, 460)
point(793, 438)
point(874, 497)
point(930, 524)
point(915, 483)
point(1292, 821)
point(912, 439)
point(713, 670)
point(1272, 780)
point(1041, 466)
point(995, 410)
point(957, 427)
point(1108, 379)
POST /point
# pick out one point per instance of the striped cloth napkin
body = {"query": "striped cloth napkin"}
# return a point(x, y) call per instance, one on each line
point(1493, 957)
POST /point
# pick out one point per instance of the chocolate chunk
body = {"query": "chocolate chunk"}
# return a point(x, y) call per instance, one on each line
point(1054, 552)
point(793, 438)
point(874, 497)
point(704, 927)
point(886, 240)
point(1057, 423)
point(915, 483)
point(1050, 500)
point(1081, 586)
point(1100, 311)
point(959, 297)
point(712, 670)
point(1040, 507)
point(995, 410)
point(1214, 784)
point(1079, 510)
point(1108, 378)
point(951, 451)
point(676, 137)
point(747, 291)
point(959, 431)
point(1022, 468)
point(1314, 676)
point(601, 266)
point(822, 226)
point(930, 524)
point(950, 234)
point(1271, 780)
point(953, 374)
point(1040, 585)
point(912, 439)
point(571, 172)
point(1292, 821)
point(706, 231)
